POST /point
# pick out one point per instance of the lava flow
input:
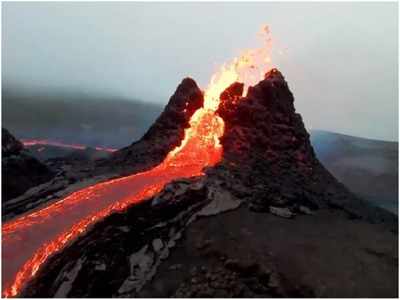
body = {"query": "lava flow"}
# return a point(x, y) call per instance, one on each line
point(28, 241)
point(33, 142)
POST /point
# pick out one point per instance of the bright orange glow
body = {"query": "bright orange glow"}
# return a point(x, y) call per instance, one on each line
point(29, 240)
point(32, 142)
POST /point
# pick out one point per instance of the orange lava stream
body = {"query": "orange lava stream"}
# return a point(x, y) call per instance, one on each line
point(30, 239)
point(32, 142)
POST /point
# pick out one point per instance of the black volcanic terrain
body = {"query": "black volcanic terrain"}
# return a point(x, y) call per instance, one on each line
point(267, 221)
point(20, 169)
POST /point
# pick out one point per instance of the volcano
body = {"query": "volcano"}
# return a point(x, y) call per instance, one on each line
point(216, 175)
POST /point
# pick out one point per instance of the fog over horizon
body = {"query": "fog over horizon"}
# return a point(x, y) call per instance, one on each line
point(78, 70)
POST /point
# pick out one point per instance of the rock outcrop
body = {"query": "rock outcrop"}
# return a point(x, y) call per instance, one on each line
point(9, 144)
point(20, 170)
point(164, 135)
point(268, 150)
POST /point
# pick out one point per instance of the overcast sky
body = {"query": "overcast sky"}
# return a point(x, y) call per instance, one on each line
point(340, 59)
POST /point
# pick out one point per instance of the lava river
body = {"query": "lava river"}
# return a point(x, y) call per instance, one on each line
point(30, 239)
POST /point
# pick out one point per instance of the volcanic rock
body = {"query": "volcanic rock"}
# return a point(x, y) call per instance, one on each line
point(10, 145)
point(164, 135)
point(20, 170)
point(233, 280)
point(267, 148)
point(283, 212)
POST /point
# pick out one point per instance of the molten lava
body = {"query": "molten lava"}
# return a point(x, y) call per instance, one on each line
point(29, 240)
point(33, 142)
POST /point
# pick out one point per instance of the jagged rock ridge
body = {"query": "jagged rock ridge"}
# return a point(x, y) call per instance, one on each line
point(165, 134)
point(267, 146)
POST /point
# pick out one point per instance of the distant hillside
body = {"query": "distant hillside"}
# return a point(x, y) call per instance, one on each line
point(367, 167)
point(77, 117)
point(45, 152)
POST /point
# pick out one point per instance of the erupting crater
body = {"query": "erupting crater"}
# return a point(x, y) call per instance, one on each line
point(29, 240)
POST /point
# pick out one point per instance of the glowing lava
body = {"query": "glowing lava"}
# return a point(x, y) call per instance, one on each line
point(33, 142)
point(30, 239)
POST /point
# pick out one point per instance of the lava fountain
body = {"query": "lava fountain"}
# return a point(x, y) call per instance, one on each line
point(29, 240)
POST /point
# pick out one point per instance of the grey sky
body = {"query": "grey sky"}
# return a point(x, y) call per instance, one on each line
point(341, 59)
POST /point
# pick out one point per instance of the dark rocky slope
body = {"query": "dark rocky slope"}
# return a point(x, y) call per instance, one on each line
point(247, 254)
point(267, 147)
point(164, 135)
point(269, 169)
point(21, 171)
point(369, 168)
